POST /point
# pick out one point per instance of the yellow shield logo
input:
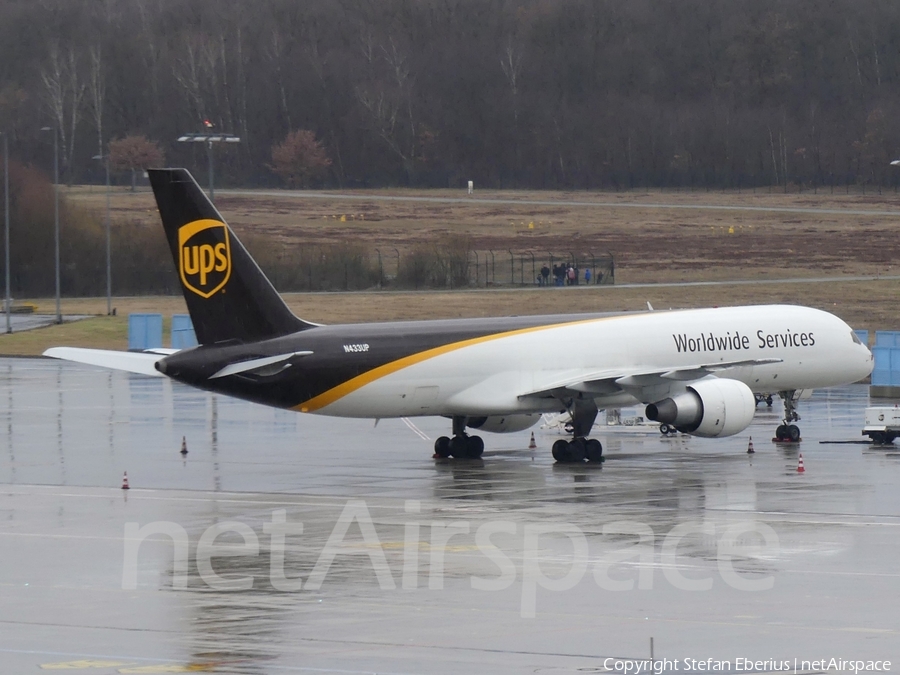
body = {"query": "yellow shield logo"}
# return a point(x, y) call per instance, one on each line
point(204, 256)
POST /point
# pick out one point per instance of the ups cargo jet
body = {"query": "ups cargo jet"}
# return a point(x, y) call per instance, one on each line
point(696, 370)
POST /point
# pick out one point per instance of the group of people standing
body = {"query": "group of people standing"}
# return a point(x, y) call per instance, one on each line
point(563, 275)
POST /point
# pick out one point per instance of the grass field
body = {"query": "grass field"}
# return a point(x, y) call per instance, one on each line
point(658, 238)
point(686, 241)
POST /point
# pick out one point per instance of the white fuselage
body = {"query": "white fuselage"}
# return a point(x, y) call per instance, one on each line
point(786, 347)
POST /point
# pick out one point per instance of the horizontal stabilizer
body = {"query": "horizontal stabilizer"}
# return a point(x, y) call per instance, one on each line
point(142, 363)
point(256, 365)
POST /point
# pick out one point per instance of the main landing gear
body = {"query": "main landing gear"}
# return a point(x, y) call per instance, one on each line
point(787, 431)
point(461, 446)
point(580, 448)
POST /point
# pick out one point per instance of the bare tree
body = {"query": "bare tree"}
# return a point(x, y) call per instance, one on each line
point(151, 53)
point(76, 92)
point(275, 53)
point(64, 91)
point(196, 71)
point(97, 93)
point(511, 65)
point(389, 104)
point(133, 153)
point(299, 158)
point(54, 87)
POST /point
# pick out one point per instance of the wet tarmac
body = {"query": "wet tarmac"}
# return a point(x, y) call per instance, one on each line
point(509, 564)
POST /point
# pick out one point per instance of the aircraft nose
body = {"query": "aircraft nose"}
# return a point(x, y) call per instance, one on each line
point(866, 361)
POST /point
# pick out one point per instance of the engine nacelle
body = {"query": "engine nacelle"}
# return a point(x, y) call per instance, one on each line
point(503, 424)
point(708, 408)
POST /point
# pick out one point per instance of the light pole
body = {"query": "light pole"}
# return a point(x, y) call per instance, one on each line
point(6, 225)
point(56, 212)
point(105, 159)
point(209, 139)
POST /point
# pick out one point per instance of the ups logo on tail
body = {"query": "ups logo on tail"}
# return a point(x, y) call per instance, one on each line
point(204, 256)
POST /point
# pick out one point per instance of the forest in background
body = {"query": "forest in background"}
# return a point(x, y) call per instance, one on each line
point(540, 94)
point(578, 94)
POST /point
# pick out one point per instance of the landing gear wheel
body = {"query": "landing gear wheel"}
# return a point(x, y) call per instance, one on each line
point(781, 432)
point(593, 450)
point(474, 447)
point(769, 400)
point(577, 451)
point(442, 447)
point(466, 447)
point(560, 451)
point(459, 447)
point(664, 429)
point(793, 433)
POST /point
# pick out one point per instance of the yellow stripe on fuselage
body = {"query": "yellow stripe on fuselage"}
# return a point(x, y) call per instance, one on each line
point(351, 385)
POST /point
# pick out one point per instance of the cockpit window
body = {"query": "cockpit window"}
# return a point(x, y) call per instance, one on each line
point(855, 337)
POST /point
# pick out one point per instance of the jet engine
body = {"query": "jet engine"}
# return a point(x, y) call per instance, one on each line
point(708, 408)
point(503, 424)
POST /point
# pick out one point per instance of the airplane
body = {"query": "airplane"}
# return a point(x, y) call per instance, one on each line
point(696, 370)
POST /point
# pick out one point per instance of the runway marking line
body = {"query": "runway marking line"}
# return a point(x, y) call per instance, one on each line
point(173, 668)
point(126, 667)
point(421, 545)
point(83, 664)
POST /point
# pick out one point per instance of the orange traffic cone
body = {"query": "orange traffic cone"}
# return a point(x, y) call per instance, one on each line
point(750, 449)
point(800, 468)
point(532, 445)
point(125, 482)
point(183, 445)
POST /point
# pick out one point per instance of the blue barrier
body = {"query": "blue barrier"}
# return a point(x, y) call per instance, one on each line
point(881, 373)
point(144, 331)
point(887, 338)
point(887, 367)
point(183, 335)
point(886, 372)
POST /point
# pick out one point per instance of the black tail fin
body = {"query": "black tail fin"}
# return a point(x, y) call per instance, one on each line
point(228, 296)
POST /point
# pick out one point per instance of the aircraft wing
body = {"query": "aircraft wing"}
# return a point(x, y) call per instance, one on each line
point(615, 380)
point(142, 363)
